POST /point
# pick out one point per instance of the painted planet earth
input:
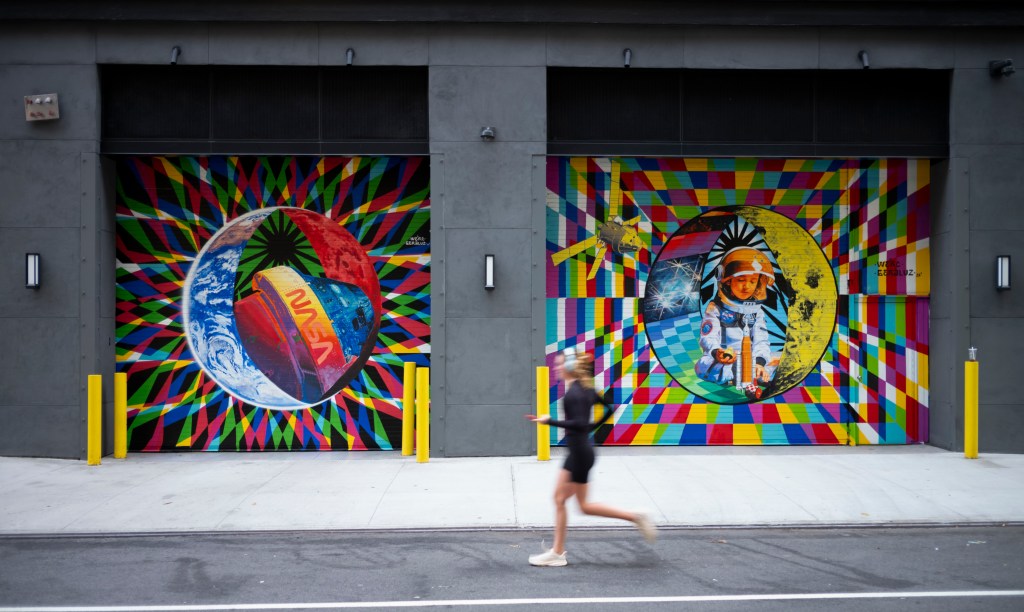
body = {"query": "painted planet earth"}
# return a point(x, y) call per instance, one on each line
point(282, 308)
point(740, 305)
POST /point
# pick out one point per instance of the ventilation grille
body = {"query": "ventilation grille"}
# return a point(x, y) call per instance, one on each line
point(748, 112)
point(271, 109)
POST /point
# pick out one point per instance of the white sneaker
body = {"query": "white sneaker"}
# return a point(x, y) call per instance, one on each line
point(646, 527)
point(549, 559)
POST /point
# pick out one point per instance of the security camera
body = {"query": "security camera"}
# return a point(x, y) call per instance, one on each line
point(487, 133)
point(175, 53)
point(1003, 67)
point(863, 57)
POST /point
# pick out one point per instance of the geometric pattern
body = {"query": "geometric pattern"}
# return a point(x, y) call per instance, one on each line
point(870, 219)
point(169, 207)
point(887, 366)
point(889, 246)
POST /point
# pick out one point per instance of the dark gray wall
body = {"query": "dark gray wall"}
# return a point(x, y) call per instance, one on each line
point(56, 202)
point(487, 197)
point(949, 333)
point(486, 76)
point(987, 135)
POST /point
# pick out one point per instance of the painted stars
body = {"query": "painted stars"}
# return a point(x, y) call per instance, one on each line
point(675, 290)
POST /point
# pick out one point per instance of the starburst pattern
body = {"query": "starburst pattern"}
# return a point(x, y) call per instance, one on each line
point(674, 288)
point(168, 207)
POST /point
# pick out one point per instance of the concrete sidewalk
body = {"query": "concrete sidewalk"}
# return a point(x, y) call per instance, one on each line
point(684, 487)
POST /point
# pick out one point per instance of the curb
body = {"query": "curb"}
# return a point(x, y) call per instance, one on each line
point(503, 529)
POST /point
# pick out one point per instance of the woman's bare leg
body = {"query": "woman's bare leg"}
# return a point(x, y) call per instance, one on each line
point(600, 509)
point(564, 490)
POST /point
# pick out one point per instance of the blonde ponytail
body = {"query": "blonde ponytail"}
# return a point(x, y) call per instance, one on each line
point(584, 371)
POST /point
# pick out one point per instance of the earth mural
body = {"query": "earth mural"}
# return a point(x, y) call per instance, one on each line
point(282, 308)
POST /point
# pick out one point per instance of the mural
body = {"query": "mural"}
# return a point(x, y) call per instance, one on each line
point(745, 301)
point(270, 303)
point(289, 335)
point(718, 305)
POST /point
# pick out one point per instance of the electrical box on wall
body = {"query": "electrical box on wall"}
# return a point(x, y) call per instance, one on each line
point(41, 107)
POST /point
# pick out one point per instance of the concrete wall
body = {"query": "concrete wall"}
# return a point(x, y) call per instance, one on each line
point(56, 202)
point(987, 137)
point(487, 197)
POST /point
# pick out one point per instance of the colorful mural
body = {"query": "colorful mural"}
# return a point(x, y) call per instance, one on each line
point(724, 319)
point(270, 303)
point(745, 301)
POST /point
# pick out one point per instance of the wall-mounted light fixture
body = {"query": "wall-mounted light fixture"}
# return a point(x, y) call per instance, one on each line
point(1003, 67)
point(175, 54)
point(627, 57)
point(862, 55)
point(488, 271)
point(487, 133)
point(350, 54)
point(32, 270)
point(1002, 272)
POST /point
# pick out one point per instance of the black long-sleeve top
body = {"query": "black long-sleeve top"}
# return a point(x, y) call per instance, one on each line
point(576, 405)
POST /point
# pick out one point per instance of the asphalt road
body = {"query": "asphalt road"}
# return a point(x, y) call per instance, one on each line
point(714, 570)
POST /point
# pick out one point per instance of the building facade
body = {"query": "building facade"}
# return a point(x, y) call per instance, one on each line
point(262, 212)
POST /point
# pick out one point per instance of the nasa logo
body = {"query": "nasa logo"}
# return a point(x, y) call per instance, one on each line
point(313, 330)
point(705, 329)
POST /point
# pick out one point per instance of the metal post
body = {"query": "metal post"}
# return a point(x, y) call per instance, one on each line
point(408, 407)
point(543, 409)
point(422, 415)
point(120, 415)
point(971, 404)
point(94, 429)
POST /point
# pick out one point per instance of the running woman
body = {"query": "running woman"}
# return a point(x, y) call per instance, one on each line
point(580, 397)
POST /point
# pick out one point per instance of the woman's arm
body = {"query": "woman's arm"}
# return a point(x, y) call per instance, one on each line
point(576, 406)
point(571, 424)
point(577, 413)
point(609, 408)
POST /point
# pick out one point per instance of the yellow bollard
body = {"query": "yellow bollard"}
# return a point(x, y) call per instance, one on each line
point(543, 409)
point(971, 406)
point(408, 407)
point(422, 415)
point(94, 421)
point(120, 415)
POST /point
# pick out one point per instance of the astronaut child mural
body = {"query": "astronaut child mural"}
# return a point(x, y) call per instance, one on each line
point(738, 305)
point(282, 308)
point(734, 334)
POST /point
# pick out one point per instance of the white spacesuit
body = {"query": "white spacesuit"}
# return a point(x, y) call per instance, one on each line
point(722, 329)
point(743, 278)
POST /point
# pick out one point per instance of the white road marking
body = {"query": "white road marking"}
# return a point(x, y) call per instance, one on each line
point(350, 605)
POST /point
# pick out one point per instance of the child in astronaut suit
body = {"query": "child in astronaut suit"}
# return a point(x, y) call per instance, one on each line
point(744, 276)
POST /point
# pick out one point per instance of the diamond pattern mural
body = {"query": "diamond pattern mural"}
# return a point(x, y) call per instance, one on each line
point(646, 262)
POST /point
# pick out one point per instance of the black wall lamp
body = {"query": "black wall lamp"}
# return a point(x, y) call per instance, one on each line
point(488, 271)
point(1003, 67)
point(32, 270)
point(1002, 272)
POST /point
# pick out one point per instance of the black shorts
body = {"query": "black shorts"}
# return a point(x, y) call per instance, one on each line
point(579, 462)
